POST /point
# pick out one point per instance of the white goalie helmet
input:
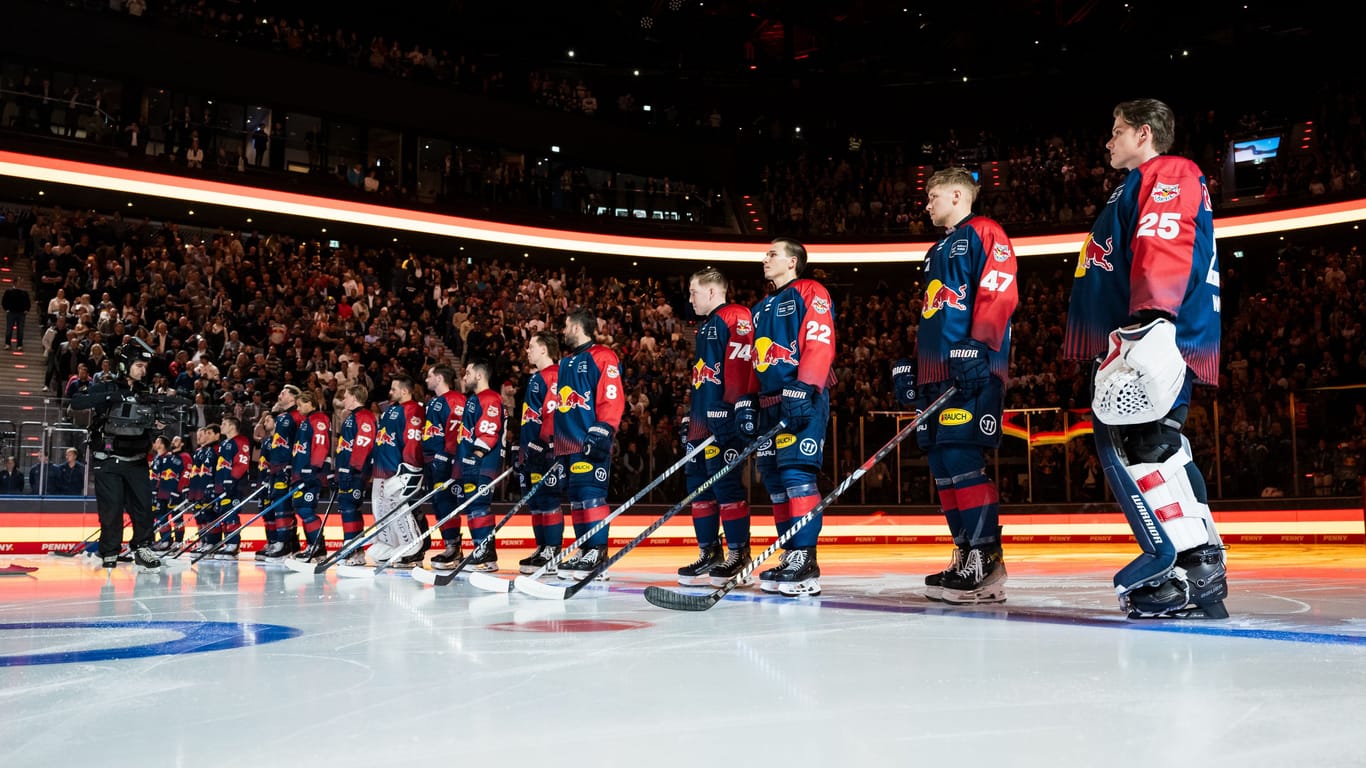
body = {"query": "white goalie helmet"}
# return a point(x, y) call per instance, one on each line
point(1141, 375)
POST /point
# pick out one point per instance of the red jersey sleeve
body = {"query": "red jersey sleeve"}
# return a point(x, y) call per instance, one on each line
point(321, 441)
point(488, 430)
point(816, 340)
point(551, 375)
point(611, 400)
point(1164, 240)
point(365, 438)
point(737, 376)
point(997, 294)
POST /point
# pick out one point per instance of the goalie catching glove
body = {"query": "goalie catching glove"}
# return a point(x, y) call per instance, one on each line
point(1141, 376)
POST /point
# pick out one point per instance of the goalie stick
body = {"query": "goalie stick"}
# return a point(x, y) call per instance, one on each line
point(556, 592)
point(490, 583)
point(679, 601)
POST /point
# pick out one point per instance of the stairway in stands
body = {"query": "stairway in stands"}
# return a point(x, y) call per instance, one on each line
point(24, 407)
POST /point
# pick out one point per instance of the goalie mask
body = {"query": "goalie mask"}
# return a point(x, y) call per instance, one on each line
point(1141, 376)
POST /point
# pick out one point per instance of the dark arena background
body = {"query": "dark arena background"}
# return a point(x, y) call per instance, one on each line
point(314, 195)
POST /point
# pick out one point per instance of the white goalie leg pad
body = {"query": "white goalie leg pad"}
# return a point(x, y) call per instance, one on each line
point(391, 493)
point(1141, 376)
point(1178, 513)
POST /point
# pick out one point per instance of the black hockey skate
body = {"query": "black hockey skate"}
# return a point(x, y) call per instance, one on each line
point(1194, 589)
point(698, 572)
point(736, 561)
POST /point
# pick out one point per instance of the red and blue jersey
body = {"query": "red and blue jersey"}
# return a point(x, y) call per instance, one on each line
point(202, 466)
point(278, 450)
point(234, 460)
point(356, 440)
point(483, 432)
point(539, 406)
point(398, 439)
point(589, 386)
point(165, 471)
point(441, 432)
point(794, 337)
point(312, 442)
point(723, 367)
point(1151, 248)
point(970, 293)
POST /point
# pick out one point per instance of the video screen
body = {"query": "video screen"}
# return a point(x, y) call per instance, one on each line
point(1256, 151)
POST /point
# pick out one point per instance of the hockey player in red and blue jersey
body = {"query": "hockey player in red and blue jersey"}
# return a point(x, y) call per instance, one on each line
point(308, 473)
point(591, 403)
point(794, 350)
point(202, 463)
point(964, 340)
point(398, 475)
point(722, 372)
point(441, 436)
point(1145, 302)
point(355, 444)
point(481, 457)
point(278, 455)
point(536, 439)
point(230, 484)
point(165, 471)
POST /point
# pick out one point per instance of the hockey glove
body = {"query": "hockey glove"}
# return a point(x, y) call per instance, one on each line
point(903, 381)
point(746, 418)
point(536, 451)
point(597, 444)
point(721, 422)
point(799, 404)
point(684, 427)
point(968, 365)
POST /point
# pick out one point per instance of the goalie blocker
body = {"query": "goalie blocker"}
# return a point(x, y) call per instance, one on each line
point(1142, 388)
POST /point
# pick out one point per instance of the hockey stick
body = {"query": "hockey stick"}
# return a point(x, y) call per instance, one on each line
point(678, 601)
point(556, 592)
point(494, 584)
point(430, 578)
point(238, 532)
point(366, 536)
point(200, 530)
point(407, 549)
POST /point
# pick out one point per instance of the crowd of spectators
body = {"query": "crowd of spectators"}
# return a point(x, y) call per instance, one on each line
point(239, 314)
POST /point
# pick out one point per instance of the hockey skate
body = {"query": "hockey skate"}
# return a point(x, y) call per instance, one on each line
point(580, 565)
point(934, 583)
point(144, 559)
point(736, 561)
point(980, 579)
point(227, 553)
point(278, 550)
point(1194, 589)
point(485, 561)
point(543, 556)
point(448, 558)
point(698, 572)
point(356, 558)
point(799, 574)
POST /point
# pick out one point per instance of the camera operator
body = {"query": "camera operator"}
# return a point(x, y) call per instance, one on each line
point(121, 432)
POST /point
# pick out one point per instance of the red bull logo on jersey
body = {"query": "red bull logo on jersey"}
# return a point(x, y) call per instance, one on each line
point(705, 374)
point(430, 430)
point(569, 400)
point(385, 437)
point(168, 474)
point(530, 415)
point(343, 444)
point(939, 296)
point(1165, 193)
point(768, 353)
point(1094, 254)
point(278, 440)
point(743, 328)
point(462, 433)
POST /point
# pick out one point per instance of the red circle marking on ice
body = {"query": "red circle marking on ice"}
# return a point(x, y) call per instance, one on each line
point(570, 625)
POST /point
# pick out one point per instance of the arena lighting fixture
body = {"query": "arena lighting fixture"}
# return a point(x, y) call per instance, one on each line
point(190, 190)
